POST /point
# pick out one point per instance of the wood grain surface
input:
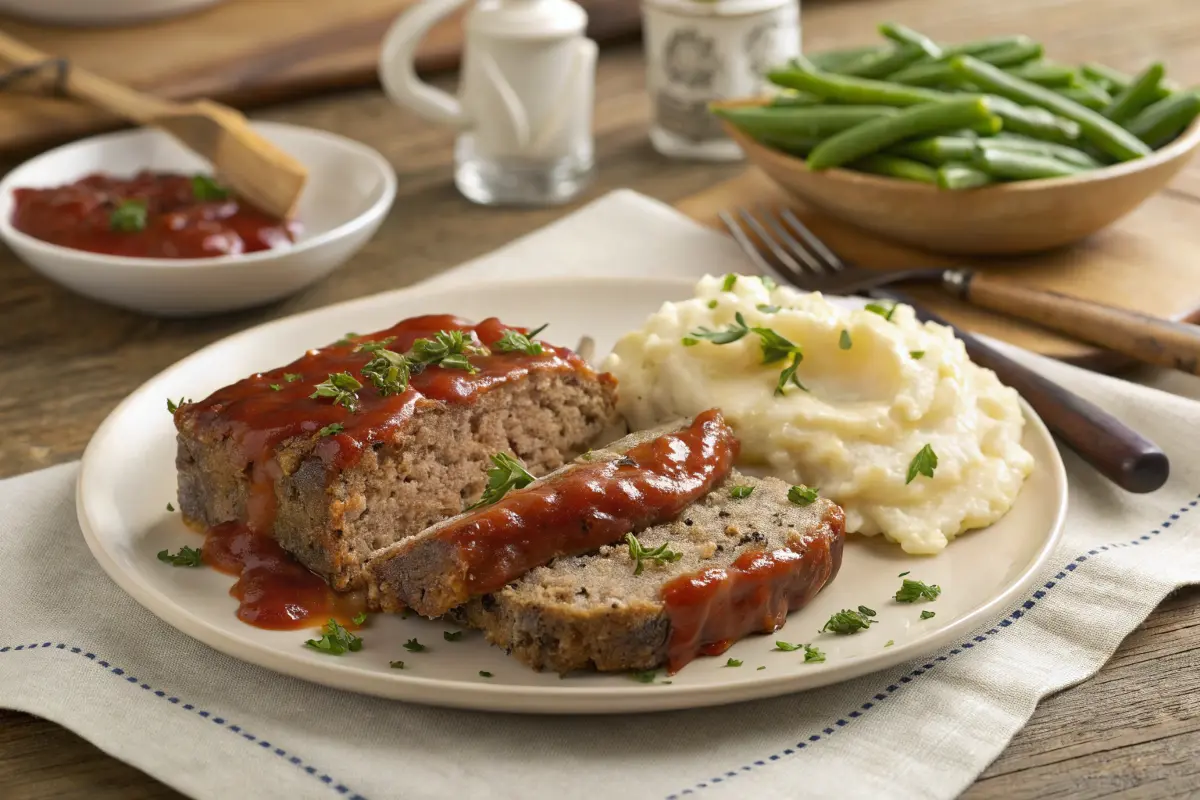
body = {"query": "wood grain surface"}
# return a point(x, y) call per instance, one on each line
point(1131, 731)
point(240, 52)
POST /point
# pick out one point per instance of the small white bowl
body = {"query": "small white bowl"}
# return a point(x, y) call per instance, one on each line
point(99, 12)
point(350, 189)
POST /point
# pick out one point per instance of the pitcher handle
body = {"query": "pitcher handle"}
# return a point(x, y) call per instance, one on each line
point(397, 69)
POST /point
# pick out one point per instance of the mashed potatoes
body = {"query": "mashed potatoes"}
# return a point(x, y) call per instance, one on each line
point(875, 392)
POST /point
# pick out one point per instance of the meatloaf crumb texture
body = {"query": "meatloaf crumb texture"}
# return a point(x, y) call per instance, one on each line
point(432, 465)
point(592, 611)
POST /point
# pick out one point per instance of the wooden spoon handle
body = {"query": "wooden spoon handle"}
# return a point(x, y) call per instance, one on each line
point(1137, 335)
point(113, 97)
point(1117, 452)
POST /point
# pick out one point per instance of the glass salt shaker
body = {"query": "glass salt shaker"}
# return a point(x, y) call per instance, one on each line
point(698, 52)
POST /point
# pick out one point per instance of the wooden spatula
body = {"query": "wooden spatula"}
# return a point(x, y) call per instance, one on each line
point(244, 161)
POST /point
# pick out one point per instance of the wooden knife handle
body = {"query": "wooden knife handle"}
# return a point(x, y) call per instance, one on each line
point(1115, 450)
point(1147, 338)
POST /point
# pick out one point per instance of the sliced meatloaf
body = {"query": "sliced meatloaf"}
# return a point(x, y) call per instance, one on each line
point(335, 472)
point(639, 481)
point(743, 565)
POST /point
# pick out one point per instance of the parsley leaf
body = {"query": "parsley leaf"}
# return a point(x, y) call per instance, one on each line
point(484, 674)
point(927, 614)
point(663, 554)
point(449, 349)
point(388, 371)
point(844, 342)
point(889, 643)
point(396, 664)
point(758, 668)
point(517, 342)
point(847, 622)
point(917, 354)
point(866, 612)
point(902, 574)
point(346, 339)
point(506, 474)
point(292, 377)
point(206, 189)
point(170, 507)
point(766, 309)
point(728, 284)
point(803, 495)
point(452, 636)
point(736, 330)
point(173, 406)
point(330, 430)
point(789, 375)
point(741, 492)
point(712, 303)
point(342, 388)
point(186, 557)
point(923, 463)
point(813, 655)
point(787, 647)
point(335, 640)
point(275, 387)
point(768, 283)
point(128, 217)
point(359, 618)
point(911, 591)
point(733, 662)
point(644, 676)
point(413, 646)
point(882, 311)
point(774, 347)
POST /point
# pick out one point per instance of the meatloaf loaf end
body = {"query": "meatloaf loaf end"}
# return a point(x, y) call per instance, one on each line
point(744, 564)
point(334, 481)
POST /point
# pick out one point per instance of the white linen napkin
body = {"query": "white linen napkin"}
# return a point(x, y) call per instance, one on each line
point(75, 649)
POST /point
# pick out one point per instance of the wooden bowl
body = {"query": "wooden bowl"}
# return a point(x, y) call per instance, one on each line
point(1005, 219)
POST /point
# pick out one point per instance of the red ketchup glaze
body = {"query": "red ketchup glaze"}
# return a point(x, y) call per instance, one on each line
point(273, 590)
point(79, 216)
point(259, 419)
point(593, 505)
point(711, 609)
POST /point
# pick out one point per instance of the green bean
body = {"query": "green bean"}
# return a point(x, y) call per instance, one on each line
point(1033, 121)
point(902, 34)
point(1166, 119)
point(881, 65)
point(846, 89)
point(1117, 81)
point(794, 99)
point(877, 134)
point(1088, 94)
point(1022, 144)
point(1013, 166)
point(831, 59)
point(934, 73)
point(983, 45)
point(1045, 73)
point(937, 150)
point(795, 146)
point(1136, 96)
point(896, 167)
point(1012, 55)
point(1104, 133)
point(813, 122)
point(957, 175)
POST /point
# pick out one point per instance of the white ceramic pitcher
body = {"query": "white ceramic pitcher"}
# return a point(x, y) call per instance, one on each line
point(524, 105)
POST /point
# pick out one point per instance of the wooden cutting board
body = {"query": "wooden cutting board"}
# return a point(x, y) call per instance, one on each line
point(241, 52)
point(1144, 262)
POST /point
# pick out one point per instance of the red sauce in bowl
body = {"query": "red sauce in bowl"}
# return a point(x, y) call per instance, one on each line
point(151, 215)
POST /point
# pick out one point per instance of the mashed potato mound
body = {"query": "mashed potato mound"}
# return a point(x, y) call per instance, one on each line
point(876, 391)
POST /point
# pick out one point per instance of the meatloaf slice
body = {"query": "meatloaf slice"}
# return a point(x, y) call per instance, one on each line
point(639, 481)
point(744, 564)
point(336, 478)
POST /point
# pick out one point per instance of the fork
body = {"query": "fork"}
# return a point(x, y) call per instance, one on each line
point(1147, 338)
point(794, 255)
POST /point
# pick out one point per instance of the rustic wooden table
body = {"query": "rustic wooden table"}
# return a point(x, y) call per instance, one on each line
point(1131, 730)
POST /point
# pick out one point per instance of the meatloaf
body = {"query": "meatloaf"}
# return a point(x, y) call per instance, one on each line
point(641, 480)
point(744, 563)
point(336, 472)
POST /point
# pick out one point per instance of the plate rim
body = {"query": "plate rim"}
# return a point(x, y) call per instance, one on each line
point(531, 699)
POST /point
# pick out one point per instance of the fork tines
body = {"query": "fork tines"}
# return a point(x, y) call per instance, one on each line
point(786, 249)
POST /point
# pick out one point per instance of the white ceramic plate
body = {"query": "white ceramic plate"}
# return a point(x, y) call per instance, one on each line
point(128, 477)
point(100, 12)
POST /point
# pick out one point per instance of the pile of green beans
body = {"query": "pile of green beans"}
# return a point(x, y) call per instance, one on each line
point(966, 115)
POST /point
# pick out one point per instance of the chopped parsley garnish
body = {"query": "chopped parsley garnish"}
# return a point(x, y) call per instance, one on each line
point(917, 354)
point(206, 189)
point(396, 664)
point(735, 331)
point(847, 621)
point(758, 668)
point(789, 375)
point(928, 614)
point(413, 646)
point(923, 463)
point(390, 371)
point(346, 339)
point(766, 309)
point(663, 554)
point(447, 349)
point(889, 643)
point(128, 217)
point(769, 283)
point(342, 388)
point(883, 311)
point(275, 387)
point(712, 303)
point(359, 618)
point(911, 591)
point(844, 342)
point(517, 342)
point(787, 647)
point(484, 674)
point(173, 406)
point(813, 655)
point(902, 574)
point(170, 507)
point(774, 347)
point(733, 662)
point(803, 495)
point(644, 676)
point(866, 612)
point(330, 430)
point(741, 492)
point(452, 636)
point(728, 284)
point(186, 557)
point(292, 377)
point(336, 640)
point(506, 474)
